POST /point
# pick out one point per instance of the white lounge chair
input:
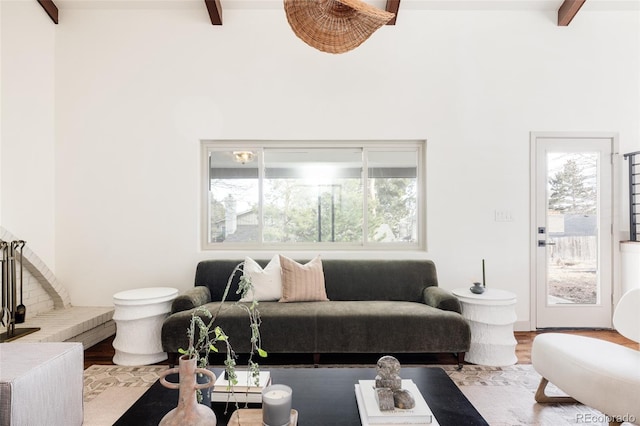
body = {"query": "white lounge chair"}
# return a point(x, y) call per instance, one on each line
point(594, 372)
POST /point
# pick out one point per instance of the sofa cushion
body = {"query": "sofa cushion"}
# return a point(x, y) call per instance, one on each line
point(345, 279)
point(389, 327)
point(356, 279)
point(337, 327)
point(267, 282)
point(302, 283)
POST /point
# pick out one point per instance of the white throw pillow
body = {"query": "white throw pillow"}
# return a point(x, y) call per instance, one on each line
point(267, 282)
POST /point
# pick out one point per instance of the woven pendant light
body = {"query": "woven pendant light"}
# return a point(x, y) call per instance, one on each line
point(334, 26)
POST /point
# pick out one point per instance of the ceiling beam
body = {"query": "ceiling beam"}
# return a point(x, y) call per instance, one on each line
point(215, 11)
point(393, 6)
point(51, 9)
point(568, 11)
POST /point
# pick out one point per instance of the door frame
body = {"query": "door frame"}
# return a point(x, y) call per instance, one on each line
point(615, 220)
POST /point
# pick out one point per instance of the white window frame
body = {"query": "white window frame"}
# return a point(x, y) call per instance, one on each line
point(208, 146)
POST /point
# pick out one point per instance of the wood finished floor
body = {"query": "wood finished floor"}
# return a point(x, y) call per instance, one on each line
point(103, 352)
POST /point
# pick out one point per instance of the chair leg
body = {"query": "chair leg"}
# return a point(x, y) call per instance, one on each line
point(544, 398)
point(460, 360)
point(172, 358)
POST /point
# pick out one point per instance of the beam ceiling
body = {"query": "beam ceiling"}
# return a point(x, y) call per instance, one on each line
point(393, 6)
point(51, 9)
point(215, 11)
point(568, 11)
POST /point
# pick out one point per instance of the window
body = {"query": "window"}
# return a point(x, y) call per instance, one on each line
point(329, 195)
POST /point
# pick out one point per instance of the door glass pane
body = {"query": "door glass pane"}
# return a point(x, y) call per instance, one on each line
point(572, 228)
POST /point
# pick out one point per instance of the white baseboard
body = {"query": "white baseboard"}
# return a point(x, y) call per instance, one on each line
point(522, 326)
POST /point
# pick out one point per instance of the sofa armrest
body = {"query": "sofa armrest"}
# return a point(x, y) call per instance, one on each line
point(441, 299)
point(193, 298)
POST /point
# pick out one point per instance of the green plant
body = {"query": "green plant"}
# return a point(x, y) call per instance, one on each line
point(203, 335)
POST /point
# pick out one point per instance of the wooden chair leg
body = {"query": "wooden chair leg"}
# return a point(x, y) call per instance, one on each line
point(544, 398)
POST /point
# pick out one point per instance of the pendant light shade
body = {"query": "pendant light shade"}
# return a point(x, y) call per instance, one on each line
point(334, 26)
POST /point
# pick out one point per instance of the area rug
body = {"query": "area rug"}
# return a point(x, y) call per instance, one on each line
point(109, 390)
point(503, 395)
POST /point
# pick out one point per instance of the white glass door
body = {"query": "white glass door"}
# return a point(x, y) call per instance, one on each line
point(573, 241)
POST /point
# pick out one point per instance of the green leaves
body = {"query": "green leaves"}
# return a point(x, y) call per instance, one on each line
point(244, 286)
point(220, 334)
point(203, 335)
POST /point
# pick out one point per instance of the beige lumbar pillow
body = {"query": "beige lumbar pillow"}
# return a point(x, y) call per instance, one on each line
point(267, 282)
point(302, 283)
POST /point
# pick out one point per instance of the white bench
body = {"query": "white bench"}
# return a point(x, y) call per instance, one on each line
point(41, 384)
point(594, 372)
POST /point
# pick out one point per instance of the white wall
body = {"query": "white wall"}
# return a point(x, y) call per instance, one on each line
point(27, 125)
point(136, 90)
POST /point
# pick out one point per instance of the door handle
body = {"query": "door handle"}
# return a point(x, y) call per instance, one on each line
point(544, 243)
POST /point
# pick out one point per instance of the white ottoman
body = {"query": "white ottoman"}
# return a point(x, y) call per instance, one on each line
point(139, 315)
point(597, 373)
point(41, 384)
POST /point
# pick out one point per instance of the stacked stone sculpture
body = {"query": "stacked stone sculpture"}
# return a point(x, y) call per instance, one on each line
point(389, 392)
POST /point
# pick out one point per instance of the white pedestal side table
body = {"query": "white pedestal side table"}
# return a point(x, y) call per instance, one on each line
point(491, 316)
point(139, 315)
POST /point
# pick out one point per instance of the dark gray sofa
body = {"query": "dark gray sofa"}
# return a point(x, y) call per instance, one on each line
point(376, 306)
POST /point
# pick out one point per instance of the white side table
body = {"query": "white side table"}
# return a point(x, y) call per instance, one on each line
point(139, 315)
point(491, 316)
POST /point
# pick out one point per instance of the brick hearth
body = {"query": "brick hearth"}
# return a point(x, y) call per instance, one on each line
point(88, 325)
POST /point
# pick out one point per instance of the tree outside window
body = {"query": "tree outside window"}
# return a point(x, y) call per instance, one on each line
point(347, 195)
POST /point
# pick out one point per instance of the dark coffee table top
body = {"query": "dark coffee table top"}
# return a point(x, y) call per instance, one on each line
point(324, 396)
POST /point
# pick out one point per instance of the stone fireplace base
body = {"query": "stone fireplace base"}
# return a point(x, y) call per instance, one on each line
point(87, 325)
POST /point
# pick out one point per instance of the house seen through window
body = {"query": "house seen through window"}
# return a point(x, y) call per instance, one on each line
point(329, 195)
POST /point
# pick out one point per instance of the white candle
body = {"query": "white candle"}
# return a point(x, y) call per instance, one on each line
point(276, 405)
point(276, 394)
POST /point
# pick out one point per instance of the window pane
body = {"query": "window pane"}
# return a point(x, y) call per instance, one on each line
point(313, 195)
point(392, 202)
point(308, 193)
point(234, 196)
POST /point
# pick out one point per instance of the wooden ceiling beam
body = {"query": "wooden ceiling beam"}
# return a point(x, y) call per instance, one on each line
point(568, 11)
point(51, 9)
point(215, 11)
point(393, 6)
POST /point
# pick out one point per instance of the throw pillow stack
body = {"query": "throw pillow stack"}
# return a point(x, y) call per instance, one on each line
point(286, 280)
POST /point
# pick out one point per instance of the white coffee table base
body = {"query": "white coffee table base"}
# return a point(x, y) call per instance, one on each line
point(491, 316)
point(139, 315)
